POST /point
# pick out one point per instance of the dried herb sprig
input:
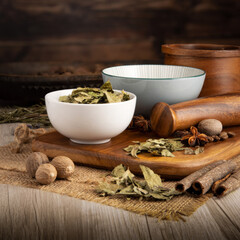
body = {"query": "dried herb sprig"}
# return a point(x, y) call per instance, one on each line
point(125, 183)
point(35, 115)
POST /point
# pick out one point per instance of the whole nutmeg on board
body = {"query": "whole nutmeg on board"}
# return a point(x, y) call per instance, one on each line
point(34, 160)
point(210, 127)
point(46, 174)
point(64, 165)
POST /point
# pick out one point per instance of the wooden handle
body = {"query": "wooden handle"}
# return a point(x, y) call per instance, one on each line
point(166, 119)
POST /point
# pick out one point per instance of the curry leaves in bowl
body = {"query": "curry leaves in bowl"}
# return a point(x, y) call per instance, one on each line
point(104, 94)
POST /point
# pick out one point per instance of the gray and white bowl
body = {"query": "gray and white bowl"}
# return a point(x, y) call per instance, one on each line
point(156, 83)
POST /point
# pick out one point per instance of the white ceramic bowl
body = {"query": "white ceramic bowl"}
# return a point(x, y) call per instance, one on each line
point(89, 123)
point(156, 83)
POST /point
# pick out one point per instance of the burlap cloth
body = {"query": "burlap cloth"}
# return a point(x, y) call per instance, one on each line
point(83, 183)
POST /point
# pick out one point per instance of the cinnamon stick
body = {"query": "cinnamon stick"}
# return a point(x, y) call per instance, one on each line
point(186, 182)
point(217, 183)
point(204, 183)
point(232, 183)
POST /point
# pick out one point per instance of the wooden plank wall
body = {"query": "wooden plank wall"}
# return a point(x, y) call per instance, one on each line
point(111, 30)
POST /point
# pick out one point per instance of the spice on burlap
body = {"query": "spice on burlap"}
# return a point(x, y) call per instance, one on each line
point(82, 185)
point(186, 182)
point(218, 182)
point(232, 183)
point(204, 183)
point(124, 183)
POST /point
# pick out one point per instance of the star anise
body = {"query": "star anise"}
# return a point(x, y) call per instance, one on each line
point(140, 123)
point(195, 138)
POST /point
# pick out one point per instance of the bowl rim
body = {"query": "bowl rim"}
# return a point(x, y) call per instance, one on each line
point(149, 79)
point(133, 97)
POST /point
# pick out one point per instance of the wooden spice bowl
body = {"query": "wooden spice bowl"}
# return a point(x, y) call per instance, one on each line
point(220, 62)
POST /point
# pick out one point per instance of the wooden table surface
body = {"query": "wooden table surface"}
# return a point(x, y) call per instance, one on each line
point(34, 214)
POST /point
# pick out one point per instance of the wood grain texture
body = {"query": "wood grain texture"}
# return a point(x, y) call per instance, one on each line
point(111, 154)
point(33, 214)
point(229, 209)
point(220, 62)
point(166, 119)
point(109, 30)
point(126, 18)
point(209, 222)
point(77, 49)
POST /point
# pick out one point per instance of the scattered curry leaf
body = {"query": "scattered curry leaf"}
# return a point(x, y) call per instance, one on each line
point(199, 150)
point(166, 153)
point(123, 182)
point(157, 147)
point(190, 151)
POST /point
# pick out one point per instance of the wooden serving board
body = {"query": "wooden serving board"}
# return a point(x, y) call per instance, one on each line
point(109, 155)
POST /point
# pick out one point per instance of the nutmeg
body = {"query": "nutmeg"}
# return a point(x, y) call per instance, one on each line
point(46, 174)
point(34, 160)
point(210, 127)
point(64, 165)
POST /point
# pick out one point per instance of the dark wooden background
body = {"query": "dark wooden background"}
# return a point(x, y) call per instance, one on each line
point(111, 30)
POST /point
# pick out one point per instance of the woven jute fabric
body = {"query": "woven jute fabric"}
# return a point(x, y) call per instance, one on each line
point(83, 183)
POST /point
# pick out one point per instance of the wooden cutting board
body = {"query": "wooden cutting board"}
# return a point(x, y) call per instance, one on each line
point(109, 155)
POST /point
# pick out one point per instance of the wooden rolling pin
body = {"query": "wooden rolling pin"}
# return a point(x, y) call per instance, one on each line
point(166, 119)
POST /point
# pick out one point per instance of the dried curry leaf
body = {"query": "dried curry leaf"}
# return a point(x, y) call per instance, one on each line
point(139, 183)
point(108, 188)
point(107, 86)
point(127, 191)
point(140, 191)
point(199, 150)
point(166, 153)
point(127, 177)
point(158, 196)
point(118, 171)
point(135, 150)
point(64, 99)
point(150, 177)
point(112, 97)
point(171, 192)
point(190, 151)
